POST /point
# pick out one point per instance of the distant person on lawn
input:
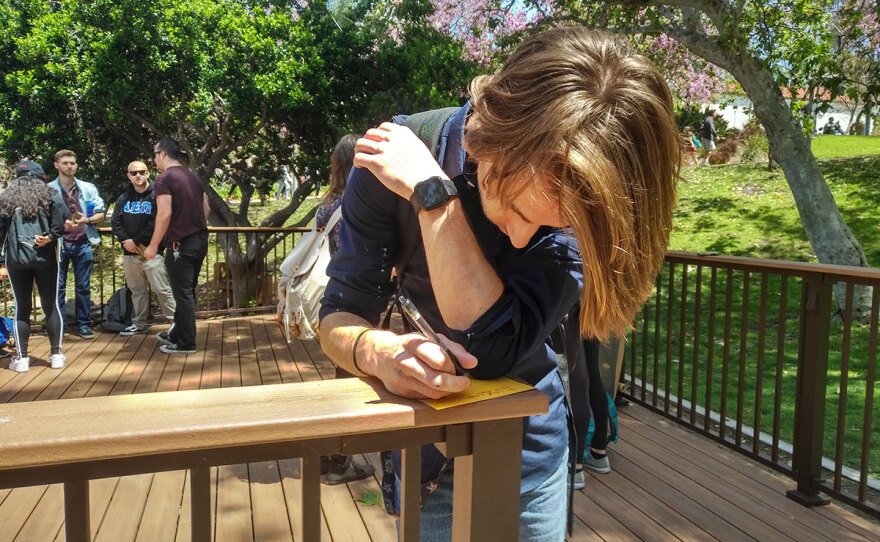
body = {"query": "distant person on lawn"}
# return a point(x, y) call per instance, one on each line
point(708, 135)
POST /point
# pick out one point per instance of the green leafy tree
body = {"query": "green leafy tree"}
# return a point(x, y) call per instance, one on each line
point(244, 85)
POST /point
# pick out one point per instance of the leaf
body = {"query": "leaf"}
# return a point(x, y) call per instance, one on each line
point(370, 498)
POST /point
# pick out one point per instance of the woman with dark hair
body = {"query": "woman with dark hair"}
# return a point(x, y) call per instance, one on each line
point(340, 165)
point(28, 205)
point(339, 468)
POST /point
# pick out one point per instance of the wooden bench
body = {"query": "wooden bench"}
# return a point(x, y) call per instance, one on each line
point(73, 441)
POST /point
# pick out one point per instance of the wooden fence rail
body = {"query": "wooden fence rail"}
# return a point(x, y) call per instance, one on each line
point(77, 440)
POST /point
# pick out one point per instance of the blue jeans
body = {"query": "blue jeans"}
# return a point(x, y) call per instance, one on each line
point(542, 516)
point(82, 258)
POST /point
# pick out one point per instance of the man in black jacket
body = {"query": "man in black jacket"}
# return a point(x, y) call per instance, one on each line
point(134, 218)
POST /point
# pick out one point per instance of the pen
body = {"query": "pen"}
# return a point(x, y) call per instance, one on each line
point(415, 317)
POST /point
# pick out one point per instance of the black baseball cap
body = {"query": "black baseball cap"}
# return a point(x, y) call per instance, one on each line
point(29, 168)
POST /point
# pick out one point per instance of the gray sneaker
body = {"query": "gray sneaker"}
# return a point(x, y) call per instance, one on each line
point(579, 481)
point(601, 465)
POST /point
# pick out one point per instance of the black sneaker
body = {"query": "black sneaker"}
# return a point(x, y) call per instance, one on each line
point(164, 337)
point(345, 471)
point(174, 349)
point(86, 332)
point(133, 330)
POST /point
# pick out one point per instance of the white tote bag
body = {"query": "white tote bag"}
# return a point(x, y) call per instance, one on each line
point(304, 277)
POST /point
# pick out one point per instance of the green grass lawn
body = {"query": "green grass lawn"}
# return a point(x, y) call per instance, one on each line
point(829, 146)
point(746, 210)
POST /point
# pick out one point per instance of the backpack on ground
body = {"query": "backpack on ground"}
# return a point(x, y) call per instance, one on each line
point(20, 246)
point(117, 312)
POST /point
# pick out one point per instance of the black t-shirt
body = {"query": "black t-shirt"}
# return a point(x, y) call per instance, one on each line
point(187, 195)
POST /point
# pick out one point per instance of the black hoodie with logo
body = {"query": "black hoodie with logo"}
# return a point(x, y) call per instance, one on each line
point(134, 217)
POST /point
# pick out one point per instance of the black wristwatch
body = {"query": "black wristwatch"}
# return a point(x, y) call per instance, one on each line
point(432, 193)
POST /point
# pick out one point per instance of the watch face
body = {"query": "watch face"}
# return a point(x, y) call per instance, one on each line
point(433, 193)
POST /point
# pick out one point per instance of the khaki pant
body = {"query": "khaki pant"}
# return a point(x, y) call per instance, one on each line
point(142, 276)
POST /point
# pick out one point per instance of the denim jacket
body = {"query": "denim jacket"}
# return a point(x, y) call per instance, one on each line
point(88, 193)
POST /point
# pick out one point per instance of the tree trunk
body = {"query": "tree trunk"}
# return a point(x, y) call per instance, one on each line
point(830, 237)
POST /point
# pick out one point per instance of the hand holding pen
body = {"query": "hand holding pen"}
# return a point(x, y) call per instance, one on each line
point(415, 317)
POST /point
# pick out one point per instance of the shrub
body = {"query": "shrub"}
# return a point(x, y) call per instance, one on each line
point(755, 146)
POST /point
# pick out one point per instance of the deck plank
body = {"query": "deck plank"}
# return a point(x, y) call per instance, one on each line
point(233, 516)
point(17, 509)
point(270, 516)
point(125, 509)
point(161, 510)
point(44, 523)
point(270, 373)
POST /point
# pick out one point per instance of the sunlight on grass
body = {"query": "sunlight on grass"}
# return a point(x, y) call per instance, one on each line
point(829, 146)
point(746, 210)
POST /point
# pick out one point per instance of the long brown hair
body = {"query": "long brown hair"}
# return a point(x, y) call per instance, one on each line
point(580, 112)
point(340, 165)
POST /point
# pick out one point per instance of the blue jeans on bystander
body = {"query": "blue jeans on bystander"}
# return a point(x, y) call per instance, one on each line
point(82, 258)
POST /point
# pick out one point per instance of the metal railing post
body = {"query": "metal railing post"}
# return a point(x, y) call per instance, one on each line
point(812, 376)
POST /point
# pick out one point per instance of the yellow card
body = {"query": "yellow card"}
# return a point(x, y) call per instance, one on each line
point(480, 390)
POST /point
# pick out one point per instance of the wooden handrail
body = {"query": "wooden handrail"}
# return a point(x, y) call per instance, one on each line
point(73, 441)
point(779, 266)
point(96, 428)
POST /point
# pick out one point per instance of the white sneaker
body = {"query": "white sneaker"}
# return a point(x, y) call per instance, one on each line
point(57, 361)
point(20, 365)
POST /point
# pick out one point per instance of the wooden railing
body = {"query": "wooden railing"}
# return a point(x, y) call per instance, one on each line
point(246, 289)
point(757, 355)
point(66, 442)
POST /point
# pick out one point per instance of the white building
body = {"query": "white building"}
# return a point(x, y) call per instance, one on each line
point(737, 110)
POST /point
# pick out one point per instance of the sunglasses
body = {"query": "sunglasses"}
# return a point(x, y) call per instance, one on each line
point(138, 172)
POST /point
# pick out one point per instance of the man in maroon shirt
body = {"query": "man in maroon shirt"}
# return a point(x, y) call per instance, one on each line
point(181, 219)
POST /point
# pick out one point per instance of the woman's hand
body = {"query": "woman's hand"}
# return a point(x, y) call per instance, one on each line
point(397, 157)
point(42, 240)
point(3, 273)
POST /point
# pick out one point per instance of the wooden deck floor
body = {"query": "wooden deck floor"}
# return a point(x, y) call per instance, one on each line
point(666, 483)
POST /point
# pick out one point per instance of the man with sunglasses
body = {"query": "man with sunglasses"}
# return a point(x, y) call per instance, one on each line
point(80, 233)
point(133, 222)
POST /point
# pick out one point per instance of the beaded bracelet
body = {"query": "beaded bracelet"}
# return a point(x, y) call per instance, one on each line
point(355, 349)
